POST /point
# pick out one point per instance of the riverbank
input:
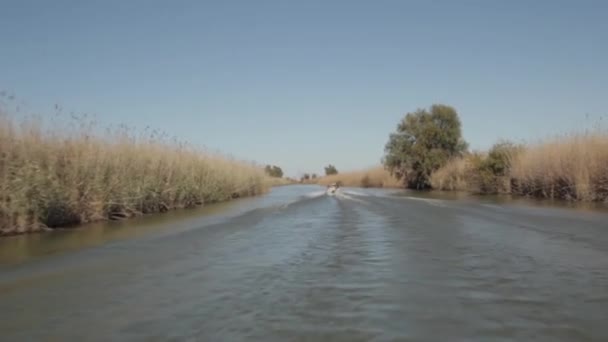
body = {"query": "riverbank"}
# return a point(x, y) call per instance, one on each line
point(573, 167)
point(71, 174)
point(275, 181)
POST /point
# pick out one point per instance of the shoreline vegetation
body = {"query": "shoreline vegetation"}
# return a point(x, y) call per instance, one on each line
point(573, 168)
point(275, 181)
point(427, 152)
point(58, 174)
point(57, 177)
point(375, 177)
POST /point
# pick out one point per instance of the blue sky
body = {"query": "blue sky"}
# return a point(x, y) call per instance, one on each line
point(302, 84)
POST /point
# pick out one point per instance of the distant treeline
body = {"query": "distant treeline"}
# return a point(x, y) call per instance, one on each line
point(312, 177)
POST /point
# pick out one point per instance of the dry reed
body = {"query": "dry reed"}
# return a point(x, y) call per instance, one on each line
point(57, 177)
point(573, 167)
point(376, 177)
point(453, 176)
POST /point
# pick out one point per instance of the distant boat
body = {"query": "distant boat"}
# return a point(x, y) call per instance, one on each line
point(332, 188)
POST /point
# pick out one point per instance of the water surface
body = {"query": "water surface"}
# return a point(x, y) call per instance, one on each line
point(299, 265)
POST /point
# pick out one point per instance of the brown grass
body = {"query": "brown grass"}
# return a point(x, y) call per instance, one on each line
point(56, 177)
point(470, 173)
point(453, 176)
point(275, 181)
point(376, 177)
point(574, 167)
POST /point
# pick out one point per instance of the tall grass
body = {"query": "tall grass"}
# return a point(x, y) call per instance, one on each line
point(573, 167)
point(275, 181)
point(376, 177)
point(454, 176)
point(56, 177)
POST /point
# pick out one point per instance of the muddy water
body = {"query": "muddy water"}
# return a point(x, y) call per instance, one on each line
point(299, 265)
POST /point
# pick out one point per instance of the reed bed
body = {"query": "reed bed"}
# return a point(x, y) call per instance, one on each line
point(376, 177)
point(72, 174)
point(572, 167)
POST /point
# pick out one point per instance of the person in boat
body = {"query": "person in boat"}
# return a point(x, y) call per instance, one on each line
point(333, 187)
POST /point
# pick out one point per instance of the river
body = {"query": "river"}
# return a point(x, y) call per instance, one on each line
point(298, 265)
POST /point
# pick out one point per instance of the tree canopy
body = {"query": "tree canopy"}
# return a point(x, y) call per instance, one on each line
point(274, 171)
point(423, 142)
point(330, 170)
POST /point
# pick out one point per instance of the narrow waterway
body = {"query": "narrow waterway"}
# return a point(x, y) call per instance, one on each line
point(297, 264)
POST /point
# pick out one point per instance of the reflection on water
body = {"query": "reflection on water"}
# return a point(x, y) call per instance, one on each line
point(506, 200)
point(15, 249)
point(23, 247)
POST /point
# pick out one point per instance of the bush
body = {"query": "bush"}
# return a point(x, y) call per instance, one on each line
point(491, 174)
point(477, 172)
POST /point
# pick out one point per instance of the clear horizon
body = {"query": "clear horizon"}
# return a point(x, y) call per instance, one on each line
point(303, 85)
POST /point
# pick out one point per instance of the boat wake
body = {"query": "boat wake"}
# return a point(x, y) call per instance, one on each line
point(315, 194)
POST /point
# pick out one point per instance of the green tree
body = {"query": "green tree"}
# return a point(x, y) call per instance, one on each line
point(273, 171)
point(424, 141)
point(330, 170)
point(305, 177)
point(314, 176)
point(277, 171)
